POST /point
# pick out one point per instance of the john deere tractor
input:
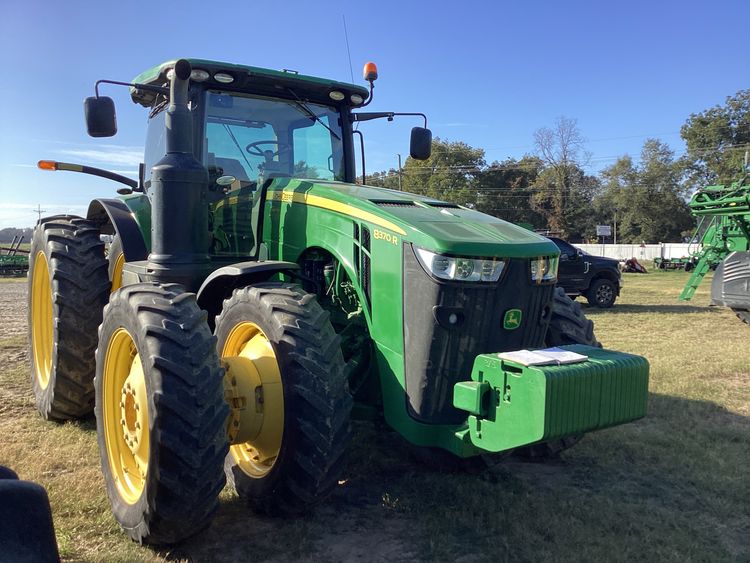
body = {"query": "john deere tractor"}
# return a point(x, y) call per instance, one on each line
point(229, 312)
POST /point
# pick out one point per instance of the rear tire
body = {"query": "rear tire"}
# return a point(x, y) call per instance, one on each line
point(602, 293)
point(304, 461)
point(568, 325)
point(160, 413)
point(67, 290)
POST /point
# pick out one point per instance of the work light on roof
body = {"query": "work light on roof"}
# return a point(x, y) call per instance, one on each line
point(356, 99)
point(223, 77)
point(199, 75)
point(336, 96)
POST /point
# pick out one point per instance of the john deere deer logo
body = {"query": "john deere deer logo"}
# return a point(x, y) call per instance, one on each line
point(512, 319)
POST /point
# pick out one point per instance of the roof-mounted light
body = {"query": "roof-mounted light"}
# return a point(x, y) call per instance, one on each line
point(356, 99)
point(370, 72)
point(199, 75)
point(223, 77)
point(336, 96)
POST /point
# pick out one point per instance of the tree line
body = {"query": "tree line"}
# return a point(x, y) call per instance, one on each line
point(550, 189)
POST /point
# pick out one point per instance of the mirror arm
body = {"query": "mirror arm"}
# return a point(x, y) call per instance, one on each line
point(144, 87)
point(368, 115)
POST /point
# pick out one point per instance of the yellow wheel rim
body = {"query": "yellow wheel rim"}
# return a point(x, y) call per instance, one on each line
point(42, 324)
point(252, 368)
point(117, 272)
point(125, 414)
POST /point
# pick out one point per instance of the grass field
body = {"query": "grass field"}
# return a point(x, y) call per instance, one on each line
point(674, 486)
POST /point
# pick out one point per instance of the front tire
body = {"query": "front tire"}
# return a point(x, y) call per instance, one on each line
point(568, 325)
point(160, 413)
point(67, 290)
point(295, 458)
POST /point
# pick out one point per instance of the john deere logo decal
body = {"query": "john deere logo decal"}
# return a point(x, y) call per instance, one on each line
point(512, 319)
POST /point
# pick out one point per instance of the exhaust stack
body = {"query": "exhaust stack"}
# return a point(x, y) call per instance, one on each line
point(179, 214)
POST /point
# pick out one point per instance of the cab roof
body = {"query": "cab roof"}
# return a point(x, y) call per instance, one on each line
point(249, 79)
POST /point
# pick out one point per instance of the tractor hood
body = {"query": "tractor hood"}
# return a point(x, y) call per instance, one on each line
point(436, 225)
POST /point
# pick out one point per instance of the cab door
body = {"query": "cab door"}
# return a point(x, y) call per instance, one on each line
point(572, 269)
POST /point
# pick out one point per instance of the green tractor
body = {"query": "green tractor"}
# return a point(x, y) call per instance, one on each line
point(234, 308)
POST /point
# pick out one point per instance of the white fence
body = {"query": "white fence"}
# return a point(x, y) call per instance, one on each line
point(640, 251)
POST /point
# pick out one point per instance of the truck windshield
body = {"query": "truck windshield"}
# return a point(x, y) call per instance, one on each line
point(251, 136)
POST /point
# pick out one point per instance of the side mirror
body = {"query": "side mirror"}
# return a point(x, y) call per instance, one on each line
point(420, 146)
point(100, 116)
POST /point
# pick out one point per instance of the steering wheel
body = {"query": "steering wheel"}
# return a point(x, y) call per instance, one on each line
point(255, 150)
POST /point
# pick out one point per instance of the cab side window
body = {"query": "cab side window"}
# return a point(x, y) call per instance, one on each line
point(566, 250)
point(156, 145)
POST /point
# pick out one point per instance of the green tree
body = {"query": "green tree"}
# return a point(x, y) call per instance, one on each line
point(504, 189)
point(562, 189)
point(448, 174)
point(717, 139)
point(648, 198)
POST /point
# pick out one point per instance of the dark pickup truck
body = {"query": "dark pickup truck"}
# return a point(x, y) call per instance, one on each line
point(579, 273)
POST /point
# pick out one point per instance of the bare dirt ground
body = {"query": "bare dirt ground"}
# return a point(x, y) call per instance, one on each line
point(13, 307)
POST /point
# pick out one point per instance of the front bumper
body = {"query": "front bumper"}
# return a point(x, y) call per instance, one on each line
point(512, 405)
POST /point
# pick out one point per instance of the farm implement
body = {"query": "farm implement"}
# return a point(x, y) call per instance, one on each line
point(14, 261)
point(253, 294)
point(725, 212)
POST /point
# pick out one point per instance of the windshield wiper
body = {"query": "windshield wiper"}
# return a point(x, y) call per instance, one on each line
point(310, 113)
point(239, 148)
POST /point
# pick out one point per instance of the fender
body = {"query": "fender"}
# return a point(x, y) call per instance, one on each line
point(115, 217)
point(220, 284)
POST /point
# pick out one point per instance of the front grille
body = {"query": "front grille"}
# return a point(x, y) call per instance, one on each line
point(438, 355)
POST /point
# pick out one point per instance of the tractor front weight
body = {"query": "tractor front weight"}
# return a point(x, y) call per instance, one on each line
point(512, 405)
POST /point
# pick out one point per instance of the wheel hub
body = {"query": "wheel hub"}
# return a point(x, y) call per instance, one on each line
point(254, 392)
point(125, 413)
point(133, 397)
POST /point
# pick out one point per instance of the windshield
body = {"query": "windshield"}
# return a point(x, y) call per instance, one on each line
point(248, 137)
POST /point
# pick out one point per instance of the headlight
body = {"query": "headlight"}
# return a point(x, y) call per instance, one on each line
point(544, 269)
point(460, 269)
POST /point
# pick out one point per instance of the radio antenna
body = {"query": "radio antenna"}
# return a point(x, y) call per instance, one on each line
point(346, 36)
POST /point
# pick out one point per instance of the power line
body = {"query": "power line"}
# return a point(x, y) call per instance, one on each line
point(39, 212)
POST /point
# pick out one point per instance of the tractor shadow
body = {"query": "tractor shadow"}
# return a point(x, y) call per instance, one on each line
point(657, 480)
point(641, 308)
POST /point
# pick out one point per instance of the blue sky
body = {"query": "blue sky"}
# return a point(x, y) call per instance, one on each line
point(487, 73)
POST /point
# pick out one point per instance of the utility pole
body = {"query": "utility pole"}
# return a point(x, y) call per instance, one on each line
point(39, 212)
point(615, 229)
point(399, 172)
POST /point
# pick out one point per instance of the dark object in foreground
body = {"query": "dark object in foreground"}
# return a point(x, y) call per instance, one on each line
point(26, 530)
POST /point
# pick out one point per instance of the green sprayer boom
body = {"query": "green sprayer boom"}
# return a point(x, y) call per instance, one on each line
point(725, 227)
